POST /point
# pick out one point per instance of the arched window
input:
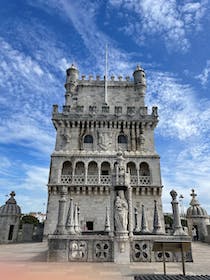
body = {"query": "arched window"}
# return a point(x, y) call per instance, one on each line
point(122, 142)
point(88, 139)
point(144, 169)
point(122, 139)
point(132, 167)
point(92, 168)
point(80, 168)
point(67, 168)
point(105, 168)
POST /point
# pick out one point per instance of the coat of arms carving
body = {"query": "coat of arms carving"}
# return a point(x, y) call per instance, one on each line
point(104, 139)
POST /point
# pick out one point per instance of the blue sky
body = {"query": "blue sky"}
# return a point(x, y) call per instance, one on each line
point(40, 39)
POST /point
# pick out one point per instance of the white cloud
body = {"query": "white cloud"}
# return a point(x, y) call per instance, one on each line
point(165, 18)
point(204, 76)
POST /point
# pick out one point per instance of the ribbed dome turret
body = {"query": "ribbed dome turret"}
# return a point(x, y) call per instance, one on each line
point(10, 207)
point(195, 210)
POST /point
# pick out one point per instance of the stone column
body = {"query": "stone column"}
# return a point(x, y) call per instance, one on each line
point(61, 211)
point(107, 221)
point(86, 173)
point(156, 222)
point(70, 222)
point(99, 173)
point(144, 226)
point(177, 221)
point(76, 222)
point(136, 229)
point(130, 212)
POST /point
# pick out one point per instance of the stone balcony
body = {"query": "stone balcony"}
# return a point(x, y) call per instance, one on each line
point(104, 180)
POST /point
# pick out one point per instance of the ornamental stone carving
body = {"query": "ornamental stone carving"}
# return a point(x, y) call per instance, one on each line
point(104, 140)
point(78, 250)
point(141, 251)
point(102, 251)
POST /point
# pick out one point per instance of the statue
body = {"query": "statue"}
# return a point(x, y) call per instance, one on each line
point(121, 212)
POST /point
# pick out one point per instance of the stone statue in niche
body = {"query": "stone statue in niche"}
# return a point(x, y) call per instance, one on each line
point(104, 140)
point(121, 212)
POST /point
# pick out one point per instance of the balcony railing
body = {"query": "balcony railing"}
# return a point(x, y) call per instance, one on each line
point(91, 180)
point(105, 180)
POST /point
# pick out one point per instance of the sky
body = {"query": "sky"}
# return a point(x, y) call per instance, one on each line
point(40, 39)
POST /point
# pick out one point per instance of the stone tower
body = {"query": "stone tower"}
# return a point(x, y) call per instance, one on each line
point(10, 214)
point(104, 183)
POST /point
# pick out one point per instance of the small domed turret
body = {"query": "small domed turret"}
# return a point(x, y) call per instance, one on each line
point(9, 220)
point(195, 210)
point(10, 207)
point(72, 75)
point(140, 80)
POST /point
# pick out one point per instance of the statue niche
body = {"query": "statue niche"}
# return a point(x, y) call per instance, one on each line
point(121, 212)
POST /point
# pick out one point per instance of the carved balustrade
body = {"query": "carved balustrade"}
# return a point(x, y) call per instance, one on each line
point(105, 180)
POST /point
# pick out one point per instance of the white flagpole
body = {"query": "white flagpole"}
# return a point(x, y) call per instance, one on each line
point(106, 62)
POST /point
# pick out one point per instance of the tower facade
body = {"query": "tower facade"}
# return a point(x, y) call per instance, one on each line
point(104, 184)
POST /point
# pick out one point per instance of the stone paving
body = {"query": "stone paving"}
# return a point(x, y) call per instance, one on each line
point(27, 261)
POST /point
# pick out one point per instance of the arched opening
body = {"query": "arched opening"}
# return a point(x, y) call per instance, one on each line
point(122, 139)
point(67, 168)
point(105, 173)
point(92, 168)
point(88, 139)
point(92, 177)
point(144, 174)
point(80, 168)
point(122, 142)
point(105, 168)
point(131, 167)
point(79, 177)
point(144, 169)
point(66, 173)
point(88, 142)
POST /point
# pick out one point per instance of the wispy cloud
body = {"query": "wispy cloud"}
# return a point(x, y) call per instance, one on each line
point(165, 18)
point(204, 75)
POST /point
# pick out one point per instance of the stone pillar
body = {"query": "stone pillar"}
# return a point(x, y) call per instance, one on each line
point(76, 222)
point(177, 221)
point(136, 229)
point(107, 221)
point(99, 173)
point(130, 212)
point(156, 222)
point(144, 226)
point(61, 211)
point(70, 222)
point(86, 173)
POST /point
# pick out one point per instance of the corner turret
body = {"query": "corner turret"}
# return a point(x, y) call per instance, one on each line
point(72, 75)
point(140, 81)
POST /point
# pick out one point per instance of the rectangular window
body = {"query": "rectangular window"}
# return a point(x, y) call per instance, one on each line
point(89, 225)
